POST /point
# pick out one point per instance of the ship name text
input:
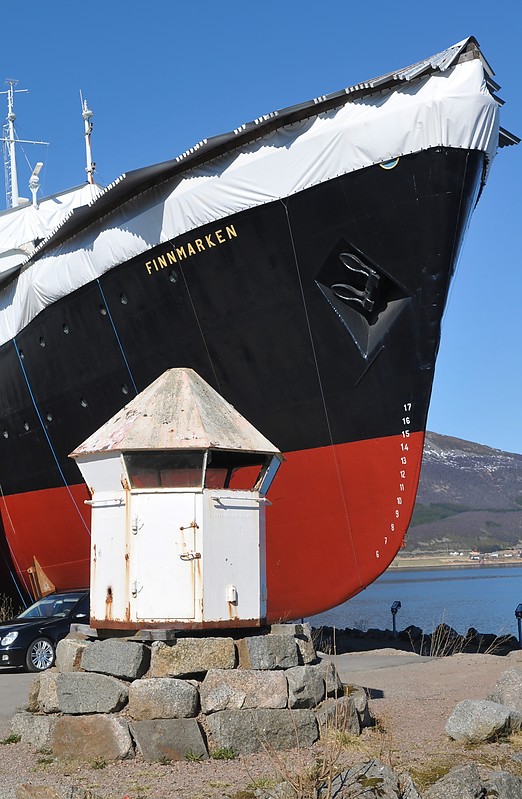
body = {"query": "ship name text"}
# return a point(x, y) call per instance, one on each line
point(180, 253)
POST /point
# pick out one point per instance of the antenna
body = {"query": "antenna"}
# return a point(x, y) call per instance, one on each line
point(11, 176)
point(87, 116)
point(9, 139)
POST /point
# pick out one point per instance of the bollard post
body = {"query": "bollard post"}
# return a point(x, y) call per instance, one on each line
point(518, 616)
point(394, 608)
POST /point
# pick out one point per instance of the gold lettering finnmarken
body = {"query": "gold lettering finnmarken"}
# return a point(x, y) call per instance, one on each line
point(184, 251)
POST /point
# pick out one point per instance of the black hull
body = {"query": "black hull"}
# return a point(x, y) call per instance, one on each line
point(250, 317)
point(251, 309)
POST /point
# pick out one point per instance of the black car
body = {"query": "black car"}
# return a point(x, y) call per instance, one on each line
point(29, 640)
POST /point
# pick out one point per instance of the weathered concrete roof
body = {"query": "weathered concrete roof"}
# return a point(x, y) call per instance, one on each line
point(179, 410)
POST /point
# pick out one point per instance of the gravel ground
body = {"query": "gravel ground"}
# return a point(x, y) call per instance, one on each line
point(411, 703)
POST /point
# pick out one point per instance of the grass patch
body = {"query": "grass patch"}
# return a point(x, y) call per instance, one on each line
point(263, 782)
point(45, 760)
point(347, 740)
point(14, 738)
point(99, 763)
point(428, 773)
point(192, 757)
point(225, 753)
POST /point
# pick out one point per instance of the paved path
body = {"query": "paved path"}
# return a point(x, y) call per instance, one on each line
point(14, 684)
point(353, 662)
point(14, 691)
point(372, 669)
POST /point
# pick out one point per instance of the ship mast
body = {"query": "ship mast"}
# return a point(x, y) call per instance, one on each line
point(11, 175)
point(87, 116)
point(9, 139)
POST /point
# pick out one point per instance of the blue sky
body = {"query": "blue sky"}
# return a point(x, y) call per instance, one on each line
point(162, 75)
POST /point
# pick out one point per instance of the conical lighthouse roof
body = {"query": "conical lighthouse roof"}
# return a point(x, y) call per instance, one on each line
point(179, 410)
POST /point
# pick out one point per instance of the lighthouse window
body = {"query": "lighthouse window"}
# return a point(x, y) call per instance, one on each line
point(234, 470)
point(164, 469)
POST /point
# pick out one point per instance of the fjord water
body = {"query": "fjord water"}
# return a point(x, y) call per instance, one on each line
point(480, 597)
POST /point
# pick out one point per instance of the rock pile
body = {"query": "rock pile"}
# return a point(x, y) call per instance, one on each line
point(500, 714)
point(441, 642)
point(184, 698)
point(375, 780)
point(464, 782)
point(369, 780)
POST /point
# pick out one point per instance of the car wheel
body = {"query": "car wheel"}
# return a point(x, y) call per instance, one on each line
point(40, 655)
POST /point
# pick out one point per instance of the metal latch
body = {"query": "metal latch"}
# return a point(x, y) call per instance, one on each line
point(104, 503)
point(190, 556)
point(136, 525)
point(192, 526)
point(218, 502)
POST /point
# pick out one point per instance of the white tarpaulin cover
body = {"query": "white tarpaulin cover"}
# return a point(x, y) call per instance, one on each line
point(453, 108)
point(20, 226)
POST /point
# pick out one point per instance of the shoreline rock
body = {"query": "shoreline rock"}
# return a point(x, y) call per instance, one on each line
point(443, 641)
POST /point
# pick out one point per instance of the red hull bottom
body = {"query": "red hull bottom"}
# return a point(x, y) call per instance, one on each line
point(338, 518)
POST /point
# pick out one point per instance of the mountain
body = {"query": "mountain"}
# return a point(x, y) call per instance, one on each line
point(469, 496)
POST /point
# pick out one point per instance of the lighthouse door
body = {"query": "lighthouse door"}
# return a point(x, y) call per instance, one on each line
point(165, 565)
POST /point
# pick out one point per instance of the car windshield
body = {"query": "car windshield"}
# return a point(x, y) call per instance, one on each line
point(51, 606)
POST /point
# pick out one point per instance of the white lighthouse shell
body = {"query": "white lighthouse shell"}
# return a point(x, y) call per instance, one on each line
point(178, 481)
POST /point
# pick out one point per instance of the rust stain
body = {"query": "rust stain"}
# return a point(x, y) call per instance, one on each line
point(93, 564)
point(108, 604)
point(151, 624)
point(192, 575)
point(127, 612)
point(127, 508)
point(127, 587)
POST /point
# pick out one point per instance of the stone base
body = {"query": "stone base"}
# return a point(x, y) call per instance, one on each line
point(185, 696)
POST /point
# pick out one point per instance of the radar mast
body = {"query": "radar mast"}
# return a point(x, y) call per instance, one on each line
point(9, 139)
point(87, 117)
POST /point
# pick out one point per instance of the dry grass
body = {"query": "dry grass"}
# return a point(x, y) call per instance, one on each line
point(444, 642)
point(7, 608)
point(308, 773)
point(515, 739)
